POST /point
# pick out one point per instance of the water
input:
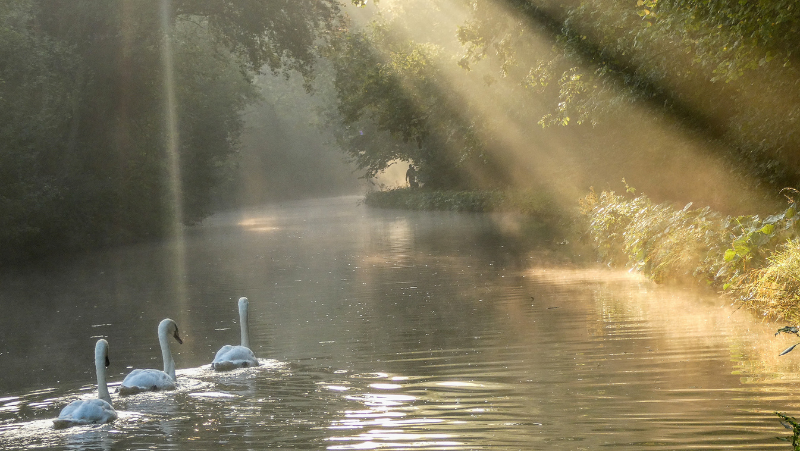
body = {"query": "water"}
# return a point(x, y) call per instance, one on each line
point(387, 330)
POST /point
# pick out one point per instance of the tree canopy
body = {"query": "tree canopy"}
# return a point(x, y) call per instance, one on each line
point(83, 155)
point(725, 68)
point(718, 74)
point(473, 92)
point(397, 101)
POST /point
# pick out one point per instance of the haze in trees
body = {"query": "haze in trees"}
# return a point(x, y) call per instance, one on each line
point(688, 100)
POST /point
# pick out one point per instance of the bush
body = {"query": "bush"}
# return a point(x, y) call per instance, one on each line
point(531, 203)
point(756, 260)
point(775, 288)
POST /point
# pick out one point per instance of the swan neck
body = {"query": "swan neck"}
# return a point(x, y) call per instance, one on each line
point(101, 352)
point(166, 354)
point(243, 324)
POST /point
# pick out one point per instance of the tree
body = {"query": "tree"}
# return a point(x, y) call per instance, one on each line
point(38, 92)
point(283, 35)
point(396, 104)
point(722, 68)
point(84, 152)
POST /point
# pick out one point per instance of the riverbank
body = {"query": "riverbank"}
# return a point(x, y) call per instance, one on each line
point(532, 203)
point(754, 261)
point(541, 221)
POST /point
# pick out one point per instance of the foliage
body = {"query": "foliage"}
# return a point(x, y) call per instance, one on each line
point(83, 153)
point(283, 35)
point(724, 68)
point(38, 92)
point(791, 423)
point(286, 151)
point(775, 287)
point(663, 242)
point(211, 96)
point(411, 199)
point(395, 103)
point(531, 203)
point(751, 257)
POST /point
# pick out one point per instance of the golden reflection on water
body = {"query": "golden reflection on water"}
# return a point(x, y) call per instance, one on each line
point(402, 412)
point(683, 323)
point(259, 224)
point(388, 421)
point(411, 347)
point(617, 362)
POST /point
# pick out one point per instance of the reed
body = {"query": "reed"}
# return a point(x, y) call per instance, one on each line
point(755, 261)
point(775, 288)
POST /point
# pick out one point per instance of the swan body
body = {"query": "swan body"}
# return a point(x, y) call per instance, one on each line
point(230, 357)
point(154, 380)
point(140, 380)
point(91, 411)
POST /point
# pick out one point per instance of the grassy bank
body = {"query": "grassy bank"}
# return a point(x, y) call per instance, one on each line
point(754, 260)
point(539, 221)
point(532, 203)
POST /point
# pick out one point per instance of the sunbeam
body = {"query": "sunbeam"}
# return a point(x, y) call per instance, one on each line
point(667, 158)
point(172, 138)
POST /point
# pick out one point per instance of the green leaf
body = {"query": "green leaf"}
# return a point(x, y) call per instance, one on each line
point(768, 229)
point(788, 330)
point(730, 254)
point(740, 246)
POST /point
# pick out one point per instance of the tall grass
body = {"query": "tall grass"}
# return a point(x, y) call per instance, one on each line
point(754, 260)
point(775, 288)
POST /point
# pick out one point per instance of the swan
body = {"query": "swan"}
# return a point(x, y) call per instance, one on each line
point(230, 357)
point(154, 380)
point(91, 411)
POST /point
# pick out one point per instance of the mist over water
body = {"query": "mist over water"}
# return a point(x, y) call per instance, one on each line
point(387, 329)
point(286, 152)
point(374, 328)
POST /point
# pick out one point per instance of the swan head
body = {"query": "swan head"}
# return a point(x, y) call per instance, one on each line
point(243, 303)
point(168, 327)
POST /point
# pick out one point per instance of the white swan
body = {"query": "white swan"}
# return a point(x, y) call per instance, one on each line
point(230, 357)
point(91, 411)
point(153, 380)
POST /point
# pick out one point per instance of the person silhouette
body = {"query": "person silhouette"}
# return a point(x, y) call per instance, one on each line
point(411, 176)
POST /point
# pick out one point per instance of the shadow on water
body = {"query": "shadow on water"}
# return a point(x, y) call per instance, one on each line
point(391, 330)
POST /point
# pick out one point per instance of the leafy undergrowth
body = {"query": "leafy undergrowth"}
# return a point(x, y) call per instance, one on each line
point(755, 260)
point(792, 424)
point(775, 287)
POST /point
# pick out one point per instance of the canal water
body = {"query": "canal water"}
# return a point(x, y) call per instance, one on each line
point(383, 329)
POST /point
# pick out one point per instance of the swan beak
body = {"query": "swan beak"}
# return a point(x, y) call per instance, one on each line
point(177, 337)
